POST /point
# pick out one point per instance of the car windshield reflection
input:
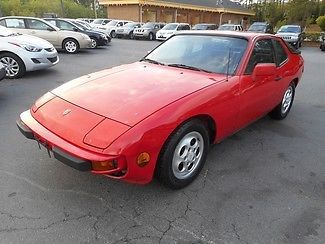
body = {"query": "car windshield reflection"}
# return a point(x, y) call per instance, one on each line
point(217, 54)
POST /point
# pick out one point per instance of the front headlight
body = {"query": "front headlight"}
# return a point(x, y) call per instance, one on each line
point(27, 47)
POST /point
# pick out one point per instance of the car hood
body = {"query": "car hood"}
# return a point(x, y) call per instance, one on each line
point(131, 93)
point(29, 40)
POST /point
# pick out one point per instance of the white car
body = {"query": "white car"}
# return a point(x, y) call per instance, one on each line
point(69, 41)
point(20, 53)
point(171, 29)
point(111, 27)
point(230, 27)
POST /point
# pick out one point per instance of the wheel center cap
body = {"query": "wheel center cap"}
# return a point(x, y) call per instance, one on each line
point(190, 156)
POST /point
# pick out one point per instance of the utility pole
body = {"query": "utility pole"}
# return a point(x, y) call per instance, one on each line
point(62, 9)
point(95, 8)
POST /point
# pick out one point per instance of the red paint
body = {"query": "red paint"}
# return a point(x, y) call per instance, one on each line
point(122, 112)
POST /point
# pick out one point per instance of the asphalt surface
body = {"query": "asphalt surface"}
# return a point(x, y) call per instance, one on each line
point(265, 184)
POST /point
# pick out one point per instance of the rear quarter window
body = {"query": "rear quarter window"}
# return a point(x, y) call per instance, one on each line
point(280, 53)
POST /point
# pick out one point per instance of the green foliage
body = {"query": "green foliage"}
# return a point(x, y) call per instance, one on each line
point(312, 36)
point(321, 22)
point(37, 8)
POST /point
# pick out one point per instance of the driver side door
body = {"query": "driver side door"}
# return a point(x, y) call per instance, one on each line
point(257, 95)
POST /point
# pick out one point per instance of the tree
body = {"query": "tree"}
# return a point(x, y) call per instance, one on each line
point(321, 22)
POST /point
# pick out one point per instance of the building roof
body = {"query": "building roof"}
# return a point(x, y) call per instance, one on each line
point(226, 4)
point(220, 6)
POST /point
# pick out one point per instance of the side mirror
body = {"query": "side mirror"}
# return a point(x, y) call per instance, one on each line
point(49, 29)
point(263, 70)
point(2, 72)
point(75, 29)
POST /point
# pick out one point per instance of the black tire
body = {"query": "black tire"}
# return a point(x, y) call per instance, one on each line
point(151, 36)
point(70, 46)
point(113, 34)
point(6, 58)
point(279, 113)
point(136, 38)
point(131, 36)
point(167, 170)
point(94, 43)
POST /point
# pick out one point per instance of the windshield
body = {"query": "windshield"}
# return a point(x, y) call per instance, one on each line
point(130, 25)
point(289, 29)
point(218, 54)
point(97, 21)
point(200, 27)
point(170, 27)
point(226, 27)
point(112, 23)
point(257, 28)
point(148, 25)
point(80, 25)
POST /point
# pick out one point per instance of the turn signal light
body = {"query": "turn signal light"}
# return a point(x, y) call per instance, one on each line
point(143, 159)
point(104, 165)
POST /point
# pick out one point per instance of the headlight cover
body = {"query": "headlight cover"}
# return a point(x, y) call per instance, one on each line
point(27, 47)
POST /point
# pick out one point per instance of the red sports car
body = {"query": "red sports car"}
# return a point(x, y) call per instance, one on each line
point(160, 115)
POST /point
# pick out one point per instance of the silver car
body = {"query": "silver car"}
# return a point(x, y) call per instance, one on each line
point(292, 34)
point(127, 30)
point(148, 31)
point(20, 53)
point(69, 41)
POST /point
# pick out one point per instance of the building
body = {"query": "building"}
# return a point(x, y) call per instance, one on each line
point(189, 11)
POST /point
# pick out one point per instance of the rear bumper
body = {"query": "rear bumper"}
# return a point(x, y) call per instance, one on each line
point(66, 158)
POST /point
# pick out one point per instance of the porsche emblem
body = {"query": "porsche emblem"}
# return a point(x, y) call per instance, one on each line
point(66, 112)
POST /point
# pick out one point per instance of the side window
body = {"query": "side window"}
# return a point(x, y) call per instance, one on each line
point(119, 24)
point(179, 27)
point(262, 53)
point(65, 26)
point(105, 22)
point(156, 26)
point(186, 27)
point(3, 23)
point(37, 25)
point(53, 22)
point(15, 23)
point(280, 53)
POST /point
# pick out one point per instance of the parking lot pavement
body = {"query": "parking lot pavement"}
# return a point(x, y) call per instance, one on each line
point(265, 184)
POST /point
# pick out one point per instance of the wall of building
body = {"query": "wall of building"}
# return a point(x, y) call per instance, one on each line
point(167, 15)
point(125, 12)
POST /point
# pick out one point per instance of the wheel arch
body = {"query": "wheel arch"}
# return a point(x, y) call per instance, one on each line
point(295, 81)
point(5, 51)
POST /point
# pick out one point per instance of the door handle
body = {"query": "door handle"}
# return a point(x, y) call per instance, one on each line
point(278, 78)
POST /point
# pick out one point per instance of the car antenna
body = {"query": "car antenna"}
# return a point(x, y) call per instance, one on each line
point(228, 64)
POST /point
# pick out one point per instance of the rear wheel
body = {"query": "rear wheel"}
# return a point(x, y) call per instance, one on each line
point(71, 46)
point(281, 111)
point(184, 155)
point(15, 67)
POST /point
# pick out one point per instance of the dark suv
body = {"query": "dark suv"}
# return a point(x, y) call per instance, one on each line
point(261, 27)
point(97, 38)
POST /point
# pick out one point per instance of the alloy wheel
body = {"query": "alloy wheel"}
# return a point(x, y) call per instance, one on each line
point(71, 46)
point(287, 100)
point(187, 155)
point(11, 66)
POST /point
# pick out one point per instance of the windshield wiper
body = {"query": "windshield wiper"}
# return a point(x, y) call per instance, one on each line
point(151, 61)
point(184, 66)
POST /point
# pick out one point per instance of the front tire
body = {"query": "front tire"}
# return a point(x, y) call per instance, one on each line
point(14, 66)
point(151, 36)
point(94, 43)
point(71, 46)
point(183, 156)
point(281, 111)
point(113, 34)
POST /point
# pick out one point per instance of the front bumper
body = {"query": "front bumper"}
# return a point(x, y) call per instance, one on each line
point(85, 43)
point(67, 153)
point(39, 60)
